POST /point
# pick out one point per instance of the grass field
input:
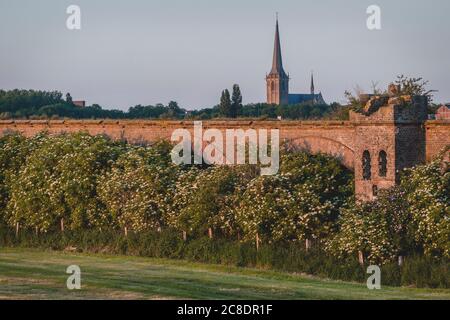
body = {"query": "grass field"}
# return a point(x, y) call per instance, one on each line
point(33, 274)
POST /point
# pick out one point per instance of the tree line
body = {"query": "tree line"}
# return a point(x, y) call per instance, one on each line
point(32, 104)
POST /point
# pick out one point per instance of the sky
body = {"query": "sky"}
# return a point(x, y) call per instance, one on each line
point(154, 51)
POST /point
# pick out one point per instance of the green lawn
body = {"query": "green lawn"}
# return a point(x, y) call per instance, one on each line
point(34, 274)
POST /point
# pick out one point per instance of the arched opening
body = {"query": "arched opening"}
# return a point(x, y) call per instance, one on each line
point(382, 164)
point(325, 145)
point(366, 166)
point(272, 86)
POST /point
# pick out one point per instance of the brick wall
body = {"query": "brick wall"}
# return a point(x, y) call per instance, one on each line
point(406, 143)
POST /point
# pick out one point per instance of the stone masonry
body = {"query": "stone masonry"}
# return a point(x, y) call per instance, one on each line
point(376, 145)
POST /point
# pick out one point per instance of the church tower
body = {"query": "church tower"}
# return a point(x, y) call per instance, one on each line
point(277, 81)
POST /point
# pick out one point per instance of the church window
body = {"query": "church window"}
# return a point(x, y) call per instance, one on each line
point(382, 163)
point(366, 166)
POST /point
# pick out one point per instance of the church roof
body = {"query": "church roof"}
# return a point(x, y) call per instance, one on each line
point(298, 98)
point(277, 62)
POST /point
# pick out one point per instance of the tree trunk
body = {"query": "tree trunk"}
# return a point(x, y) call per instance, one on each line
point(257, 242)
point(210, 233)
point(126, 231)
point(62, 224)
point(361, 258)
point(400, 261)
point(17, 229)
point(308, 244)
point(36, 229)
point(184, 236)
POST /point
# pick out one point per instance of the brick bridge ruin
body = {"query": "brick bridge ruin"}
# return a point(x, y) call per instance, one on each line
point(377, 144)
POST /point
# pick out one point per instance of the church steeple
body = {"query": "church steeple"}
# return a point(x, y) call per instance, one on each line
point(312, 83)
point(277, 62)
point(277, 81)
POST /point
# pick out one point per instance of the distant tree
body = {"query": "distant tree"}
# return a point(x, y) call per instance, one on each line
point(225, 103)
point(69, 98)
point(236, 101)
point(173, 111)
point(173, 105)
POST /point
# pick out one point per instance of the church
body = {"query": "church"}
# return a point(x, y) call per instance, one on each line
point(277, 82)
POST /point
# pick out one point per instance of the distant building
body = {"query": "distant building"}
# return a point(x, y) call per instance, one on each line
point(277, 82)
point(443, 113)
point(79, 103)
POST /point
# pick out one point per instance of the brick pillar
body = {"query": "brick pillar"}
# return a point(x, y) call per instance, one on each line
point(389, 137)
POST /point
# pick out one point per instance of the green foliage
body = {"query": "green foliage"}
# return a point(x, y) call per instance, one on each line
point(302, 202)
point(412, 217)
point(14, 152)
point(134, 192)
point(15, 100)
point(225, 104)
point(50, 105)
point(43, 104)
point(288, 257)
point(407, 87)
point(99, 187)
point(428, 196)
point(58, 181)
point(413, 86)
point(69, 99)
point(208, 199)
point(236, 102)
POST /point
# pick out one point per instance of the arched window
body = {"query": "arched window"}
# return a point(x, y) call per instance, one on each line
point(272, 86)
point(382, 163)
point(366, 166)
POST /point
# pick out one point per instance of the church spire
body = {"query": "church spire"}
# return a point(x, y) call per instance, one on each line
point(312, 83)
point(277, 63)
point(277, 81)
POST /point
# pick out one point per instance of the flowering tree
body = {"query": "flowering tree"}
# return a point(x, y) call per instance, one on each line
point(135, 192)
point(381, 229)
point(78, 172)
point(58, 181)
point(301, 203)
point(411, 217)
point(15, 149)
point(260, 207)
point(205, 199)
point(428, 195)
point(12, 157)
point(32, 203)
point(304, 216)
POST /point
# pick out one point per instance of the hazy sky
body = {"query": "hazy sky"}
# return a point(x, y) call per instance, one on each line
point(149, 51)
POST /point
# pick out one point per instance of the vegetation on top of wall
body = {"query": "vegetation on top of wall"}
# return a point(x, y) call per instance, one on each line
point(403, 86)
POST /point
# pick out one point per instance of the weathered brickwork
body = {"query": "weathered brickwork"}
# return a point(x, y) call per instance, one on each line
point(402, 134)
point(437, 137)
